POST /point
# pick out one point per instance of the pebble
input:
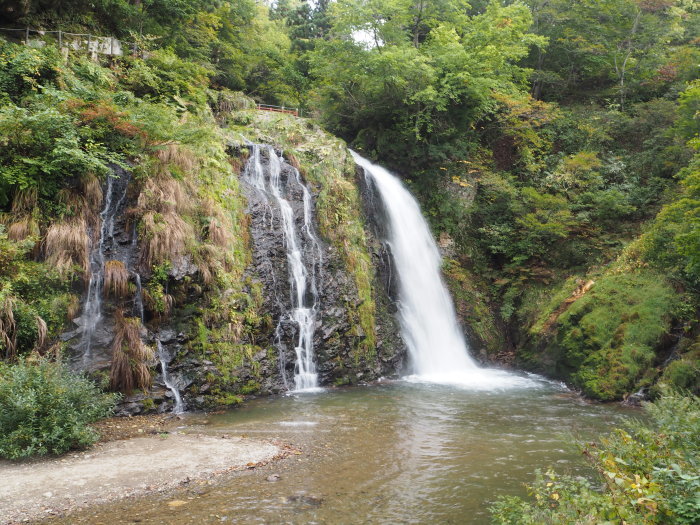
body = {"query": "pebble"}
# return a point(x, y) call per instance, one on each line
point(273, 477)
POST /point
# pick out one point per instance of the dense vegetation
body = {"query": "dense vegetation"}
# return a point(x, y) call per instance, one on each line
point(647, 472)
point(554, 146)
point(47, 410)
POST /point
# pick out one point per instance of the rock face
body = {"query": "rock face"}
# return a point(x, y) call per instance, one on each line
point(112, 240)
point(260, 361)
point(335, 336)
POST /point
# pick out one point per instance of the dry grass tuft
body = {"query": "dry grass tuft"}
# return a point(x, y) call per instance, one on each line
point(78, 207)
point(208, 260)
point(161, 307)
point(237, 164)
point(164, 194)
point(116, 279)
point(67, 245)
point(54, 351)
point(292, 160)
point(92, 190)
point(219, 234)
point(8, 328)
point(73, 308)
point(42, 332)
point(178, 156)
point(24, 201)
point(165, 237)
point(218, 231)
point(129, 356)
point(23, 228)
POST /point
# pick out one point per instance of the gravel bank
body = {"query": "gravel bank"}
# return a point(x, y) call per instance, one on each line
point(34, 489)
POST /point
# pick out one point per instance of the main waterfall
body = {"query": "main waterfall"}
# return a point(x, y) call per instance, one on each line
point(436, 344)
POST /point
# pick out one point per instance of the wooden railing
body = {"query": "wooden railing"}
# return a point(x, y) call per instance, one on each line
point(278, 109)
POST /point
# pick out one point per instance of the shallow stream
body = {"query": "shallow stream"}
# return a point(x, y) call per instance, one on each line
point(393, 452)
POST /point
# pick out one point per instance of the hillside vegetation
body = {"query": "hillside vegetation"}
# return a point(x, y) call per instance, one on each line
point(554, 146)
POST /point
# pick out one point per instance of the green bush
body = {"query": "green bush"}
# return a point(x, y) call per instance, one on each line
point(648, 473)
point(46, 409)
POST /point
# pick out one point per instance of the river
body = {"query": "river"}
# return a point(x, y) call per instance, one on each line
point(392, 452)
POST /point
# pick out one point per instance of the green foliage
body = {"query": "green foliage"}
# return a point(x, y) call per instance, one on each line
point(23, 69)
point(606, 340)
point(648, 473)
point(471, 301)
point(166, 77)
point(611, 49)
point(422, 77)
point(45, 409)
point(35, 290)
point(683, 374)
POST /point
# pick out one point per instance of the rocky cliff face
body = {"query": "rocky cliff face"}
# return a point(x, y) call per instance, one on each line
point(336, 336)
point(210, 369)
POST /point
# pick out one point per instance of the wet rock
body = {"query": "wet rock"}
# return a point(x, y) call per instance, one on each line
point(273, 477)
point(182, 267)
point(167, 336)
point(636, 399)
point(305, 499)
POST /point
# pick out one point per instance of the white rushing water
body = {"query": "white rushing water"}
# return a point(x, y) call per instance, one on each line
point(267, 179)
point(179, 407)
point(435, 341)
point(114, 194)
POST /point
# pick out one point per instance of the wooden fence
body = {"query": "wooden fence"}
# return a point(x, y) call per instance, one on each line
point(278, 109)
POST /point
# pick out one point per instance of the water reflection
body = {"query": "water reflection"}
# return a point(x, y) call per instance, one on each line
point(390, 453)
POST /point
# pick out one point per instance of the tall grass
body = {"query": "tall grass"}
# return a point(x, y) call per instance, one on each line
point(130, 356)
point(67, 246)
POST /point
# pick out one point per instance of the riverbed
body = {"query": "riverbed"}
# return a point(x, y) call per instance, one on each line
point(392, 452)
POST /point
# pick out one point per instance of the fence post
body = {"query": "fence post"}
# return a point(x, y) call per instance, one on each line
point(60, 40)
point(26, 37)
point(111, 46)
point(89, 42)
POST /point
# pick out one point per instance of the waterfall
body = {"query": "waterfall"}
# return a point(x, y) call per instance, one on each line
point(264, 172)
point(114, 194)
point(436, 344)
point(164, 359)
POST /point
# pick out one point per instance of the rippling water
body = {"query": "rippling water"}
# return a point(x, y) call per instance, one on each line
point(397, 452)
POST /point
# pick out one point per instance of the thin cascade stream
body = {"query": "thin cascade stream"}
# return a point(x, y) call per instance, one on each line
point(438, 350)
point(163, 358)
point(114, 194)
point(267, 179)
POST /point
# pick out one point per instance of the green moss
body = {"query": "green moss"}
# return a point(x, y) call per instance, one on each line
point(226, 399)
point(342, 381)
point(606, 341)
point(471, 301)
point(540, 302)
point(251, 387)
point(148, 404)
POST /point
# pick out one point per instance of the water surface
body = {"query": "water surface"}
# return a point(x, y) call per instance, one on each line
point(396, 452)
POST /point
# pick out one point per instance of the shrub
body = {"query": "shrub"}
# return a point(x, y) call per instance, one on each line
point(648, 473)
point(46, 409)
